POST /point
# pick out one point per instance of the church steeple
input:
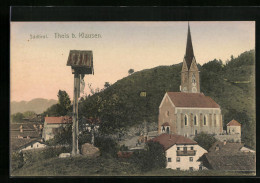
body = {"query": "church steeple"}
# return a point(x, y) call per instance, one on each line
point(189, 55)
point(190, 81)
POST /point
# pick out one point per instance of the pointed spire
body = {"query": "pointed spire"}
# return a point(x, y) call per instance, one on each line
point(189, 49)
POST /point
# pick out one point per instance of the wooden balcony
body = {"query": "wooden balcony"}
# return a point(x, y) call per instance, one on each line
point(186, 153)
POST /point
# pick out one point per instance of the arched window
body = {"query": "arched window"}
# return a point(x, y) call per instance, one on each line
point(195, 120)
point(186, 120)
point(193, 79)
point(205, 121)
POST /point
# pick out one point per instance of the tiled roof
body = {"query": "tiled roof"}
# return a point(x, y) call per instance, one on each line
point(31, 134)
point(168, 140)
point(181, 99)
point(58, 120)
point(233, 123)
point(16, 143)
point(229, 148)
point(246, 162)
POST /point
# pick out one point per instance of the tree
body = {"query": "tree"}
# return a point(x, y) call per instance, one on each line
point(63, 136)
point(62, 108)
point(29, 114)
point(107, 84)
point(153, 157)
point(131, 71)
point(205, 140)
point(64, 100)
point(17, 117)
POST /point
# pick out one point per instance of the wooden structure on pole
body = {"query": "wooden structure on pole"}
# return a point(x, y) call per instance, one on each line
point(81, 62)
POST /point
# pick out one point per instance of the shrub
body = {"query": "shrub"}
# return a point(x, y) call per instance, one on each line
point(107, 146)
point(205, 140)
point(153, 157)
point(17, 160)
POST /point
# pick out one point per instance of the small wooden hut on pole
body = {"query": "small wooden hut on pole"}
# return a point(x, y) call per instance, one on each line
point(81, 62)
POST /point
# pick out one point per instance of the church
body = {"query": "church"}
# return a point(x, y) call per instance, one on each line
point(189, 111)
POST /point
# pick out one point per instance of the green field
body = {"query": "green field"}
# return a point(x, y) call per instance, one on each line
point(100, 166)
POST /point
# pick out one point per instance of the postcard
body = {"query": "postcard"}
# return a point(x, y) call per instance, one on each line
point(132, 98)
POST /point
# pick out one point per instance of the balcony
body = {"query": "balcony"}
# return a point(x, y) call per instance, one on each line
point(186, 153)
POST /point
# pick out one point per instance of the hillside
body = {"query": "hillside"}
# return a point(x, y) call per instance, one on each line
point(231, 85)
point(37, 105)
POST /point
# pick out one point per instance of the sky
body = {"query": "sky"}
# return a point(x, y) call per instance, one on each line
point(38, 66)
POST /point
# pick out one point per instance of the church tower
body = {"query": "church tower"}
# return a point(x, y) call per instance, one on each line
point(190, 80)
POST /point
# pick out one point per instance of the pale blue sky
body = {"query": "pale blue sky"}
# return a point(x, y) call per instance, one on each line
point(38, 67)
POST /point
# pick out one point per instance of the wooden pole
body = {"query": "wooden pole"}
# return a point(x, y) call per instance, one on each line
point(75, 149)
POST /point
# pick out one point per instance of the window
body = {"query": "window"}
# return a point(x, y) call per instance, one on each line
point(169, 159)
point(205, 121)
point(185, 149)
point(178, 168)
point(167, 129)
point(191, 168)
point(168, 113)
point(178, 159)
point(178, 148)
point(191, 159)
point(195, 120)
point(185, 120)
point(200, 167)
point(31, 145)
point(191, 148)
point(196, 132)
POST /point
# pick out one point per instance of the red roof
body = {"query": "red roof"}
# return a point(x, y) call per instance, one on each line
point(58, 120)
point(181, 99)
point(233, 123)
point(166, 124)
point(168, 140)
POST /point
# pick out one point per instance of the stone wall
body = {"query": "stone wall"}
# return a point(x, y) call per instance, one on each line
point(229, 137)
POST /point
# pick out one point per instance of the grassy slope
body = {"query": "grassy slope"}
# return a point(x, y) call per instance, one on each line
point(231, 86)
point(82, 166)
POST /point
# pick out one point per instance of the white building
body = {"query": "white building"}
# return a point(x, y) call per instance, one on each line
point(234, 127)
point(52, 124)
point(32, 145)
point(181, 153)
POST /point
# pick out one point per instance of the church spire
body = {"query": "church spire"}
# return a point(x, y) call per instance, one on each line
point(189, 49)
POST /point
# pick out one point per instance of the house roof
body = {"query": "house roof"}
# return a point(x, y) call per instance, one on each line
point(196, 100)
point(31, 134)
point(229, 157)
point(58, 120)
point(233, 123)
point(230, 148)
point(232, 162)
point(26, 126)
point(17, 144)
point(168, 140)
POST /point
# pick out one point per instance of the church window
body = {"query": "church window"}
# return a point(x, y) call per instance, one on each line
point(195, 120)
point(186, 120)
point(168, 129)
point(205, 121)
point(193, 79)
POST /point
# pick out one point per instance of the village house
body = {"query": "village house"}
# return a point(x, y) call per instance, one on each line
point(26, 130)
point(181, 153)
point(230, 156)
point(53, 124)
point(35, 144)
point(189, 112)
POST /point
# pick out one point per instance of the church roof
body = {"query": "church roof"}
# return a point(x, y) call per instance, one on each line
point(199, 100)
point(189, 55)
point(168, 140)
point(233, 123)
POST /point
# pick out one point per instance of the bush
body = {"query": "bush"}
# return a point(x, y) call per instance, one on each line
point(17, 160)
point(153, 157)
point(107, 146)
point(205, 140)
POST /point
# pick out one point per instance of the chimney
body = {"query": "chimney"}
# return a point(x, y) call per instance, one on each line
point(21, 128)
